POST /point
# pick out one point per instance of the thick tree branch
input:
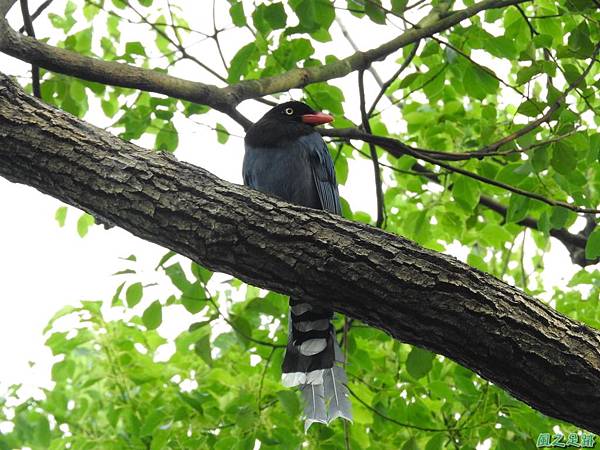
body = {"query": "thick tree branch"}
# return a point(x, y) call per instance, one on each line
point(222, 99)
point(418, 296)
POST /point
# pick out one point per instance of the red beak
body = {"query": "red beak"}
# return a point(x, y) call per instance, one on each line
point(318, 118)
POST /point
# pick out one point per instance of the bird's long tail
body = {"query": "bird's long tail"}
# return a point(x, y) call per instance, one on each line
point(313, 361)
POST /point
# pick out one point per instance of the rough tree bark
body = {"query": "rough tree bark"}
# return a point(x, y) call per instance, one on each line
point(416, 295)
point(226, 99)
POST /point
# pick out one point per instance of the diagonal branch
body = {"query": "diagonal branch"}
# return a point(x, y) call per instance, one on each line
point(398, 149)
point(375, 160)
point(37, 13)
point(417, 295)
point(222, 99)
point(35, 70)
point(388, 83)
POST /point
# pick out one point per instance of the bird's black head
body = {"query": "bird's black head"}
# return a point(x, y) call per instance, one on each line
point(283, 123)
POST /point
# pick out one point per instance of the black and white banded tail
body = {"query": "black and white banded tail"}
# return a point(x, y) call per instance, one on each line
point(313, 360)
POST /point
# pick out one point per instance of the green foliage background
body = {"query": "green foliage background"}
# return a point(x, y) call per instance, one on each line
point(213, 392)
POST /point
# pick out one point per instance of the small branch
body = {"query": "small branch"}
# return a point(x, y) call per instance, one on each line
point(262, 379)
point(532, 30)
point(227, 98)
point(487, 70)
point(356, 49)
point(177, 45)
point(376, 170)
point(546, 117)
point(398, 149)
point(430, 80)
point(35, 70)
point(244, 335)
point(37, 13)
point(215, 37)
point(409, 425)
point(389, 82)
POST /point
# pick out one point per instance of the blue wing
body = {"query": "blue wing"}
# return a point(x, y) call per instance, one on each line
point(323, 173)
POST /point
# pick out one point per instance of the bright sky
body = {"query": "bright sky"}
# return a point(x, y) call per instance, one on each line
point(44, 267)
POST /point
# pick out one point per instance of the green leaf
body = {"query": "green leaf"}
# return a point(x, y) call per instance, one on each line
point(530, 108)
point(314, 17)
point(409, 79)
point(541, 158)
point(478, 83)
point(592, 247)
point(436, 442)
point(194, 298)
point(275, 15)
point(559, 217)
point(237, 14)
point(135, 48)
point(244, 60)
point(134, 294)
point(419, 362)
point(289, 401)
point(167, 138)
point(202, 349)
point(579, 41)
point(222, 134)
point(564, 158)
point(61, 216)
point(325, 96)
point(152, 316)
point(267, 18)
point(201, 273)
point(84, 223)
point(83, 41)
point(292, 51)
point(398, 6)
point(42, 434)
point(475, 260)
point(466, 192)
point(495, 235)
point(374, 11)
point(176, 274)
point(517, 208)
point(110, 107)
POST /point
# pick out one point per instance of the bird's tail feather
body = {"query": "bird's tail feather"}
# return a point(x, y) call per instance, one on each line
point(313, 361)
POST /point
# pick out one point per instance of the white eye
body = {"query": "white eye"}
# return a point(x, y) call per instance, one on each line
point(289, 111)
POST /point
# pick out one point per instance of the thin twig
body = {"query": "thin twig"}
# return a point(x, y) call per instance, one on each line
point(356, 49)
point(35, 70)
point(398, 149)
point(409, 425)
point(487, 70)
point(37, 13)
point(232, 325)
point(215, 37)
point(262, 379)
point(388, 83)
point(532, 30)
point(177, 45)
point(376, 170)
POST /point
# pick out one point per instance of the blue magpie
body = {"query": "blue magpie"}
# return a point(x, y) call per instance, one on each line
point(287, 158)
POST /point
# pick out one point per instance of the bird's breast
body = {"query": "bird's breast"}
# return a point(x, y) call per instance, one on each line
point(283, 172)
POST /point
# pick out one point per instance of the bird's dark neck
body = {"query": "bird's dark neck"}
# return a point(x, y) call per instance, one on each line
point(272, 133)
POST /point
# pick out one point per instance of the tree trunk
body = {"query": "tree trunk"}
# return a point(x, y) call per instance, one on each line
point(416, 295)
